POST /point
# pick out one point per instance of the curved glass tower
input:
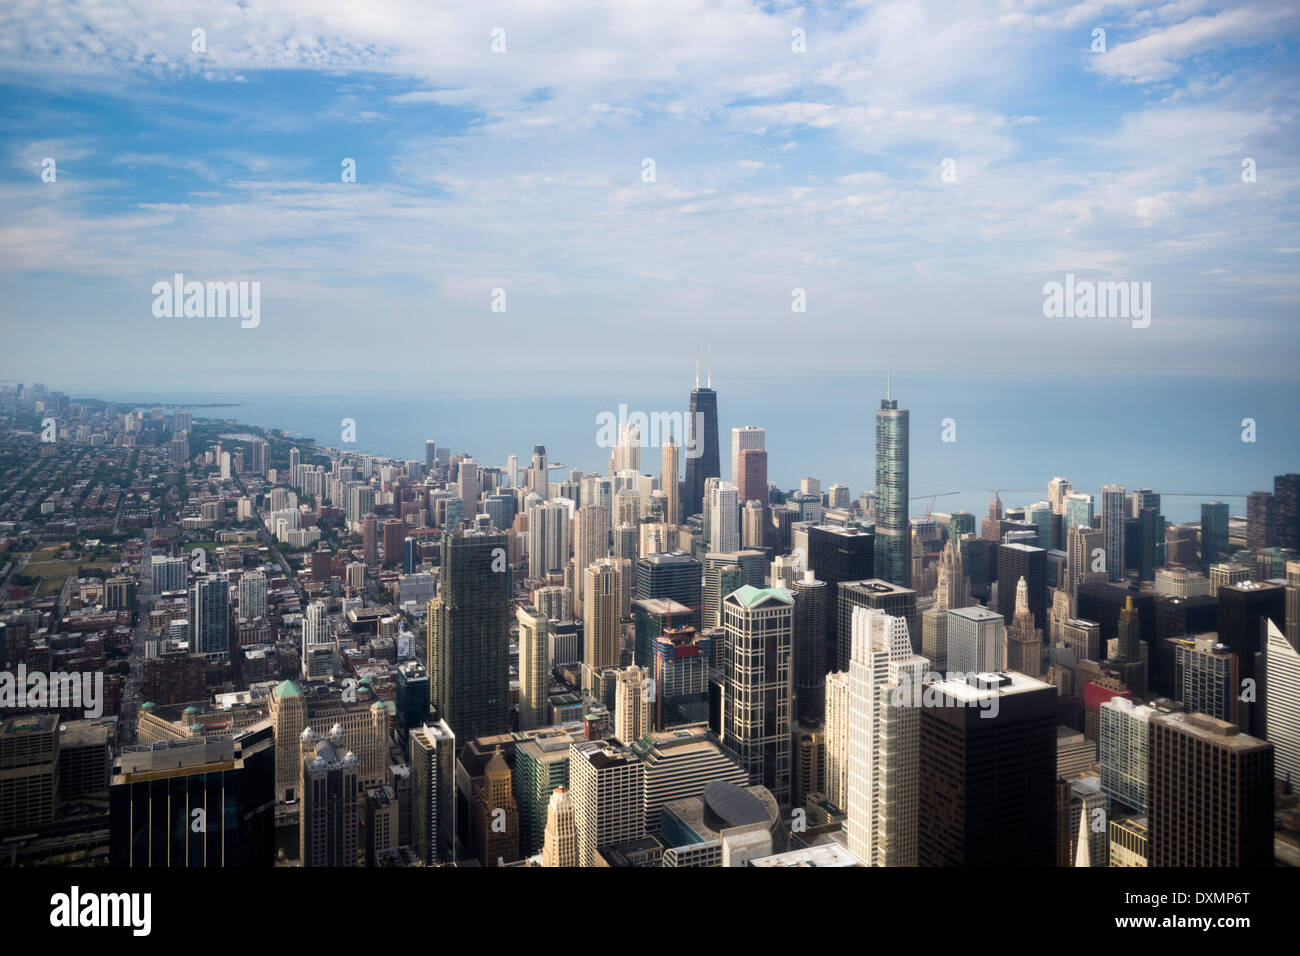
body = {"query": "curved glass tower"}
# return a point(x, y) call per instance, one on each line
point(893, 534)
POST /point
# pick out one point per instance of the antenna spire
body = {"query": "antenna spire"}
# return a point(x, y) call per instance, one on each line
point(889, 381)
point(697, 366)
point(710, 385)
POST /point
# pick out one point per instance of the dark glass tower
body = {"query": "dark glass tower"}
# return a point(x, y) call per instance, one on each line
point(701, 449)
point(893, 532)
point(469, 636)
point(839, 554)
point(1286, 516)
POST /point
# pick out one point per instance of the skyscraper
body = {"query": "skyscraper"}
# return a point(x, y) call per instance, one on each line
point(987, 772)
point(1024, 639)
point(885, 694)
point(976, 641)
point(742, 439)
point(210, 616)
point(1112, 524)
point(702, 446)
point(1211, 794)
point(534, 667)
point(1286, 511)
point(669, 480)
point(433, 793)
point(560, 846)
point(893, 531)
point(1282, 702)
point(607, 780)
point(603, 584)
point(327, 820)
point(1214, 533)
point(757, 712)
point(810, 647)
point(469, 636)
point(724, 517)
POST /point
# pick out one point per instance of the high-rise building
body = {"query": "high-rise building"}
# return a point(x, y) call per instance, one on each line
point(976, 641)
point(1286, 511)
point(1017, 562)
point(252, 595)
point(724, 517)
point(327, 819)
point(1243, 609)
point(606, 779)
point(1211, 794)
point(987, 772)
point(878, 594)
point(1214, 533)
point(534, 667)
point(1293, 603)
point(701, 445)
point(602, 617)
point(1112, 526)
point(809, 647)
point(751, 565)
point(1282, 702)
point(210, 616)
point(681, 660)
point(839, 554)
point(469, 636)
point(541, 765)
point(538, 480)
point(838, 718)
point(433, 793)
point(548, 538)
point(634, 694)
point(189, 803)
point(495, 814)
point(1123, 751)
point(893, 530)
point(742, 439)
point(885, 696)
point(1024, 640)
point(757, 713)
point(670, 481)
point(590, 543)
point(751, 476)
point(560, 844)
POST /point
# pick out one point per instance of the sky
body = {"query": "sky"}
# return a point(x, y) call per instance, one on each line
point(915, 173)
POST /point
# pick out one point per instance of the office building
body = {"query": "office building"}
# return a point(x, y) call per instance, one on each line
point(987, 772)
point(327, 820)
point(885, 695)
point(701, 446)
point(606, 780)
point(810, 596)
point(468, 640)
point(160, 791)
point(560, 843)
point(534, 643)
point(757, 713)
point(976, 641)
point(433, 793)
point(1211, 794)
point(1282, 703)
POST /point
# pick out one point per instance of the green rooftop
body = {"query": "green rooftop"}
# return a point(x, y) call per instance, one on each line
point(287, 689)
point(750, 595)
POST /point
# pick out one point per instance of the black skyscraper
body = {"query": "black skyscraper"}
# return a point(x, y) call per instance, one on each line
point(702, 448)
point(987, 774)
point(1242, 609)
point(839, 554)
point(1286, 518)
point(1014, 562)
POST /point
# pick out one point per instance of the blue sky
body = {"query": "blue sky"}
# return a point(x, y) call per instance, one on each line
point(522, 170)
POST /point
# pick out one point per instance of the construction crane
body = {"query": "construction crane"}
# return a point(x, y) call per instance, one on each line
point(942, 494)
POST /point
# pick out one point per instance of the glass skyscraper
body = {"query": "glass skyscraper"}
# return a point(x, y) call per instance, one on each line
point(702, 448)
point(893, 535)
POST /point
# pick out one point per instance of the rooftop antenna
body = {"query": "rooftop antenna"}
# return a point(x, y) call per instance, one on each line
point(697, 366)
point(710, 385)
point(889, 381)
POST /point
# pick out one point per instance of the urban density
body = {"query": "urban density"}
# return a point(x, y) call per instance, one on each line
point(225, 646)
point(442, 441)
